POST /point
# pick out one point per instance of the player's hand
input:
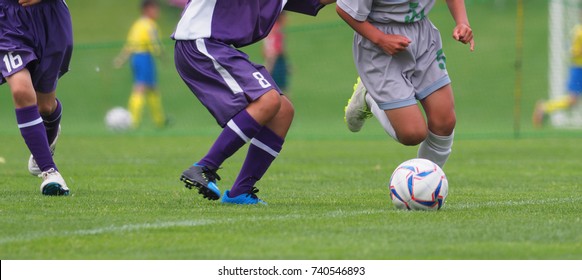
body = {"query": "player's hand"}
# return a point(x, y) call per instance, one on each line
point(120, 59)
point(25, 3)
point(393, 44)
point(464, 34)
point(118, 62)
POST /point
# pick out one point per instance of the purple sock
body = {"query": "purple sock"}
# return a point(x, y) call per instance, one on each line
point(34, 134)
point(51, 123)
point(237, 132)
point(264, 148)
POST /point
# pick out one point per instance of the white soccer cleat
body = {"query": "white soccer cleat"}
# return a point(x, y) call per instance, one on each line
point(357, 110)
point(32, 166)
point(53, 183)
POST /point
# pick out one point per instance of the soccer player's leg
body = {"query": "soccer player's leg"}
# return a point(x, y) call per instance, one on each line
point(156, 108)
point(50, 109)
point(545, 108)
point(357, 110)
point(153, 96)
point(34, 133)
point(240, 95)
point(263, 150)
point(143, 75)
point(136, 104)
point(202, 175)
point(381, 117)
point(409, 124)
point(440, 111)
point(238, 131)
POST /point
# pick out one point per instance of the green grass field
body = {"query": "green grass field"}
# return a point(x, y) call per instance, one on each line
point(510, 197)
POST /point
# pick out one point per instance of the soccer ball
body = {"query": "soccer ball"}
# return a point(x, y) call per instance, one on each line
point(118, 119)
point(418, 184)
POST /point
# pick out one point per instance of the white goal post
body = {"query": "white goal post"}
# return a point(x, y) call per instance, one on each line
point(564, 15)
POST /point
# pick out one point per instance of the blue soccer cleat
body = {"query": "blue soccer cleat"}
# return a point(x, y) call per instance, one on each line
point(245, 198)
point(202, 178)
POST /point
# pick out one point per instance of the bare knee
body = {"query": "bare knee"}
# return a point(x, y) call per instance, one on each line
point(23, 95)
point(266, 107)
point(46, 108)
point(444, 126)
point(412, 138)
point(286, 110)
point(281, 123)
point(270, 104)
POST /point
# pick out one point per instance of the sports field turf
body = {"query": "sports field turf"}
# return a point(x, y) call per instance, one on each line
point(510, 197)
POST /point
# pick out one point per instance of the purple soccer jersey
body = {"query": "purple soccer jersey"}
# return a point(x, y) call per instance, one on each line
point(236, 22)
point(39, 38)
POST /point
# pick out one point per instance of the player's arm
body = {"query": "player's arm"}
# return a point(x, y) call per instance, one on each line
point(576, 48)
point(122, 57)
point(25, 3)
point(307, 7)
point(462, 32)
point(155, 42)
point(390, 43)
point(269, 53)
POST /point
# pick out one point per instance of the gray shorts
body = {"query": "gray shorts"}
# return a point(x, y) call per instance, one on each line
point(413, 74)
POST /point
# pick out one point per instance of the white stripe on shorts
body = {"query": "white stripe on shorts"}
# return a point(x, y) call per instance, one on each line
point(232, 125)
point(230, 81)
point(264, 147)
point(31, 123)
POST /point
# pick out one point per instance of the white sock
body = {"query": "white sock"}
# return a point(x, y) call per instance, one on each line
point(381, 117)
point(436, 148)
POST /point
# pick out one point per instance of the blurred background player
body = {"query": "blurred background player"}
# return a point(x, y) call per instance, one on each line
point(36, 43)
point(545, 107)
point(143, 43)
point(241, 95)
point(274, 53)
point(399, 57)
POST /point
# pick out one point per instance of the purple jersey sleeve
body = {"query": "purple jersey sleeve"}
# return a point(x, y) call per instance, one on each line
point(308, 7)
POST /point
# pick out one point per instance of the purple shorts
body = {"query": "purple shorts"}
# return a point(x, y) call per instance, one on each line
point(221, 77)
point(39, 38)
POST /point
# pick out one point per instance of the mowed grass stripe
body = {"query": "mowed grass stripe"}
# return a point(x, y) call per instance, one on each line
point(182, 223)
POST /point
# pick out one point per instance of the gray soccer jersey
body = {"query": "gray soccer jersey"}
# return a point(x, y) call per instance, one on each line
point(385, 11)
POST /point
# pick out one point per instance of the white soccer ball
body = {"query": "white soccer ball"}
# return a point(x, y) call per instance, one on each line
point(118, 119)
point(418, 184)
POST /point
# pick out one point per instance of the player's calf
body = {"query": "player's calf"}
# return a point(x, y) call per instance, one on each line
point(33, 166)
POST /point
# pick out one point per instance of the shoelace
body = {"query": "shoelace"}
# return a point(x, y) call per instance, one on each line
point(252, 192)
point(47, 173)
point(366, 114)
point(210, 174)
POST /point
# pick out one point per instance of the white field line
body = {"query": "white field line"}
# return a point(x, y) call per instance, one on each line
point(172, 224)
point(204, 222)
point(510, 203)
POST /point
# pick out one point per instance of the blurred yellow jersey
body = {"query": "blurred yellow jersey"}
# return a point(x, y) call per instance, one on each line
point(577, 46)
point(144, 37)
